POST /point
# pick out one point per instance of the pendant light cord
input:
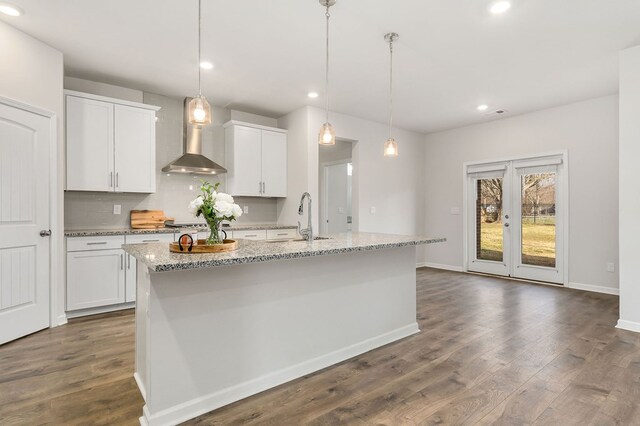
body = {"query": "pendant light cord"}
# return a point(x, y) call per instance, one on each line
point(199, 43)
point(328, 15)
point(390, 87)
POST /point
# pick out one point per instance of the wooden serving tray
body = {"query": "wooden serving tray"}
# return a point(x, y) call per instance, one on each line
point(202, 247)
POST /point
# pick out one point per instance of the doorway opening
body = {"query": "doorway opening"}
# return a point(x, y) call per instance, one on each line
point(516, 218)
point(335, 179)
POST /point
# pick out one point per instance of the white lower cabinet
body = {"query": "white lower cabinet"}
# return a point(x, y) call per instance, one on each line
point(131, 263)
point(95, 278)
point(255, 235)
point(100, 274)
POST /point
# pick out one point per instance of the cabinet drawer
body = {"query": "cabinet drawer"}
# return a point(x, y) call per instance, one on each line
point(95, 243)
point(250, 235)
point(150, 238)
point(281, 234)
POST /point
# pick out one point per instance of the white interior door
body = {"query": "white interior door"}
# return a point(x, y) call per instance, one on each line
point(25, 143)
point(515, 218)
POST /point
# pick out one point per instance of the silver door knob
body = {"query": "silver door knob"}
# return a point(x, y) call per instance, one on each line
point(45, 233)
point(506, 225)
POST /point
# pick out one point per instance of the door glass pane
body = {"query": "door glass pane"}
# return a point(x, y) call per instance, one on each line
point(489, 219)
point(539, 219)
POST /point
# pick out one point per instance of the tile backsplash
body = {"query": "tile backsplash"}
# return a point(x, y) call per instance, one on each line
point(85, 210)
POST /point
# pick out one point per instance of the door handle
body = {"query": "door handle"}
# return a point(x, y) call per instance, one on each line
point(45, 233)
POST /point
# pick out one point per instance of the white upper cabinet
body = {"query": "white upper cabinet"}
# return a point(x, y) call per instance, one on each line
point(89, 144)
point(274, 164)
point(256, 160)
point(135, 149)
point(110, 144)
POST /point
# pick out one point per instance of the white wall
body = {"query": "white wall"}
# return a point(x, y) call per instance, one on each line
point(588, 130)
point(32, 72)
point(394, 186)
point(103, 89)
point(629, 189)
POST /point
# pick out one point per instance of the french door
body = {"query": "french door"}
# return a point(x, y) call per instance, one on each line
point(515, 218)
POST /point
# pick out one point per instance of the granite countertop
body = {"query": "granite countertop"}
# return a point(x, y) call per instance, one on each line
point(159, 259)
point(130, 231)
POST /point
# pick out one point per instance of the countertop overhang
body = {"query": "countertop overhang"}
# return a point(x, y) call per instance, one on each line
point(158, 258)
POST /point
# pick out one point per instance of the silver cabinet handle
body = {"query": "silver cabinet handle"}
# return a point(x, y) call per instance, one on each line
point(251, 235)
point(110, 179)
point(117, 180)
point(121, 261)
point(283, 234)
point(128, 261)
point(150, 241)
point(263, 187)
point(506, 225)
point(97, 243)
point(260, 187)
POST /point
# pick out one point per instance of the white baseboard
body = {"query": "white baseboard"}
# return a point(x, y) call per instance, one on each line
point(138, 380)
point(61, 320)
point(206, 403)
point(594, 288)
point(100, 310)
point(440, 266)
point(628, 325)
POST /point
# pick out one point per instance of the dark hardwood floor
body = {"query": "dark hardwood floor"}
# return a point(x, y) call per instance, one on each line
point(491, 351)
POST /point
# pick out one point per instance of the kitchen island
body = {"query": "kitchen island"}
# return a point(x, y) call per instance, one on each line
point(212, 329)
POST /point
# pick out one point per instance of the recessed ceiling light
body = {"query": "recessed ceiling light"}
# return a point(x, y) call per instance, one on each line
point(483, 107)
point(312, 95)
point(206, 65)
point(10, 10)
point(500, 7)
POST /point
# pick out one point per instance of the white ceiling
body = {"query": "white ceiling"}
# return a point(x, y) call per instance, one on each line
point(452, 54)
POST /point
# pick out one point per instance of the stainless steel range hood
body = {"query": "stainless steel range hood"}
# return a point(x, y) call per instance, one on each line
point(193, 161)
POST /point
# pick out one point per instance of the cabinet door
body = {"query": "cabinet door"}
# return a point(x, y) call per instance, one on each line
point(244, 161)
point(95, 278)
point(274, 164)
point(135, 149)
point(131, 279)
point(89, 145)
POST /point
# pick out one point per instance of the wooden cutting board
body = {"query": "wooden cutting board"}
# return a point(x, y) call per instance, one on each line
point(148, 219)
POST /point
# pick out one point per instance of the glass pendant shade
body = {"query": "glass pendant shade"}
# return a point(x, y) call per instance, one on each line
point(391, 148)
point(199, 111)
point(327, 135)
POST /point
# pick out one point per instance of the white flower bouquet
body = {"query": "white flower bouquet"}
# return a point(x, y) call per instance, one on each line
point(215, 207)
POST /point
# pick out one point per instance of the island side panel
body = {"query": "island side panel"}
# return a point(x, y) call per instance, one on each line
point(141, 374)
point(221, 334)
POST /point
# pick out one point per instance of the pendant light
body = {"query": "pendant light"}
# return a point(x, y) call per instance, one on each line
point(327, 135)
point(391, 146)
point(199, 109)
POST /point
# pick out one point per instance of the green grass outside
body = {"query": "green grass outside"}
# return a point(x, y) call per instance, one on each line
point(539, 241)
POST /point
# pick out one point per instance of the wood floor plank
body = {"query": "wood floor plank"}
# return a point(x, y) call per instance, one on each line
point(490, 351)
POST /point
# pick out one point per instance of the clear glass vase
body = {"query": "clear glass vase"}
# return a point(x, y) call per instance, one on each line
point(215, 232)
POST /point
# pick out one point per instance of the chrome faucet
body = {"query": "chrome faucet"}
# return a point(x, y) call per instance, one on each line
point(307, 234)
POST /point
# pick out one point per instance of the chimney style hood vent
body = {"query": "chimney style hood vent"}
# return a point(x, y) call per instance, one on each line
point(193, 161)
